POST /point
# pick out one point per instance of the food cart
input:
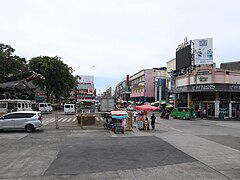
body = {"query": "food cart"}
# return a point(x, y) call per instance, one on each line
point(119, 119)
point(143, 115)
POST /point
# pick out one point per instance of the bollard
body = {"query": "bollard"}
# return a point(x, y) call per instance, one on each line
point(129, 127)
point(81, 120)
point(56, 121)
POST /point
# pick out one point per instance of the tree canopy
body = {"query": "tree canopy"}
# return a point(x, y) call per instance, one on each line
point(59, 80)
point(10, 65)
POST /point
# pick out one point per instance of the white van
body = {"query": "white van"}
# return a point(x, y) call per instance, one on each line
point(45, 107)
point(69, 108)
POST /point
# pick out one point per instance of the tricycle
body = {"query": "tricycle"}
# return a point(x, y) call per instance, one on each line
point(119, 119)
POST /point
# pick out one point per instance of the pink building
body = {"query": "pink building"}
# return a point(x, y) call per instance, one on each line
point(148, 85)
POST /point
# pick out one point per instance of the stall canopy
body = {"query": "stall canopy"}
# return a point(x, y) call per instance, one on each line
point(119, 114)
point(146, 107)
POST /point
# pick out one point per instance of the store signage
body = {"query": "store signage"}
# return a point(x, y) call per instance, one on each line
point(209, 87)
point(203, 87)
point(203, 79)
point(234, 87)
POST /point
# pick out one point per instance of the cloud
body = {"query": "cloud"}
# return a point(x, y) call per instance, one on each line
point(117, 37)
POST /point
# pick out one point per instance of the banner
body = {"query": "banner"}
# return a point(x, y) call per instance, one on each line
point(203, 51)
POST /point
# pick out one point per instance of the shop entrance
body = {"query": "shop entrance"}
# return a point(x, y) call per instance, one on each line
point(235, 107)
point(210, 108)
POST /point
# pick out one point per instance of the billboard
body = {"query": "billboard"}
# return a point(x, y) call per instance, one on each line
point(183, 57)
point(203, 51)
point(85, 82)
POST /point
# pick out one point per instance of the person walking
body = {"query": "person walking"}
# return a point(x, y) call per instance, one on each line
point(238, 114)
point(135, 116)
point(153, 118)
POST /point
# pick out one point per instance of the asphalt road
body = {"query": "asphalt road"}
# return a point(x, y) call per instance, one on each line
point(177, 149)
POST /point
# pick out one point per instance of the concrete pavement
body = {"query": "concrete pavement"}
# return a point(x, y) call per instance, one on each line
point(171, 153)
point(220, 158)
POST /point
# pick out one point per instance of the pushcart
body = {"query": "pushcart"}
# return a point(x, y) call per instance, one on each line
point(119, 119)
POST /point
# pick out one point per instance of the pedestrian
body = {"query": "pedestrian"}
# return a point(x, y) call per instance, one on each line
point(199, 112)
point(204, 113)
point(238, 114)
point(153, 118)
point(135, 116)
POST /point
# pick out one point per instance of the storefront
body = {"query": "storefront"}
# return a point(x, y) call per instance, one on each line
point(217, 98)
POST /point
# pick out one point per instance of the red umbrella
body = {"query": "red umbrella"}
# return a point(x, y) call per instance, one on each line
point(146, 107)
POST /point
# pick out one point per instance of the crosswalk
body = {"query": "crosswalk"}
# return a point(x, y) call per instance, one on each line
point(47, 121)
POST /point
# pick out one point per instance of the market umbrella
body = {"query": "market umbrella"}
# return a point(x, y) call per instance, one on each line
point(146, 107)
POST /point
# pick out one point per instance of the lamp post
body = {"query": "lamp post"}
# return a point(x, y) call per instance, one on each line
point(160, 92)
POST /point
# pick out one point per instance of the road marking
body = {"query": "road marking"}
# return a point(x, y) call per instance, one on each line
point(69, 119)
point(167, 126)
point(52, 120)
point(60, 119)
point(74, 119)
point(232, 149)
point(65, 119)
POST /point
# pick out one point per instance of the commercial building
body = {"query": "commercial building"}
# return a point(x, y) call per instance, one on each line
point(207, 87)
point(122, 90)
point(148, 85)
point(85, 88)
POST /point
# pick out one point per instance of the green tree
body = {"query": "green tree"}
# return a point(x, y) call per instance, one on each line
point(10, 64)
point(59, 80)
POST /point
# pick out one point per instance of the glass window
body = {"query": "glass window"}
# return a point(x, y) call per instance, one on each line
point(224, 96)
point(235, 97)
point(3, 105)
point(10, 116)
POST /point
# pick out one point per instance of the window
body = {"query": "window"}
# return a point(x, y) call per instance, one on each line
point(10, 116)
point(3, 105)
point(24, 115)
point(41, 105)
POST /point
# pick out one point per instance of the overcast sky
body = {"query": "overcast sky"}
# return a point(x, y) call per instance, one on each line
point(112, 38)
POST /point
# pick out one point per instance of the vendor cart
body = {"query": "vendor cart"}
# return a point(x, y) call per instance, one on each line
point(119, 119)
point(140, 122)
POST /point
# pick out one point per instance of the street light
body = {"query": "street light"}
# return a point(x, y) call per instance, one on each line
point(158, 93)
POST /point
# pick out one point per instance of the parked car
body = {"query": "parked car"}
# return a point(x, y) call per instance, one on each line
point(69, 108)
point(45, 107)
point(182, 113)
point(28, 120)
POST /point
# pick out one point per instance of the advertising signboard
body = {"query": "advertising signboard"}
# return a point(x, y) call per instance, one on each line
point(85, 82)
point(183, 57)
point(203, 51)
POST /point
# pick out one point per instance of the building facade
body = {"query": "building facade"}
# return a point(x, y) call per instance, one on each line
point(122, 91)
point(85, 88)
point(207, 87)
point(148, 85)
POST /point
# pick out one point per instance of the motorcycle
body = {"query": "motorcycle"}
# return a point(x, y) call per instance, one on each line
point(164, 115)
point(107, 124)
